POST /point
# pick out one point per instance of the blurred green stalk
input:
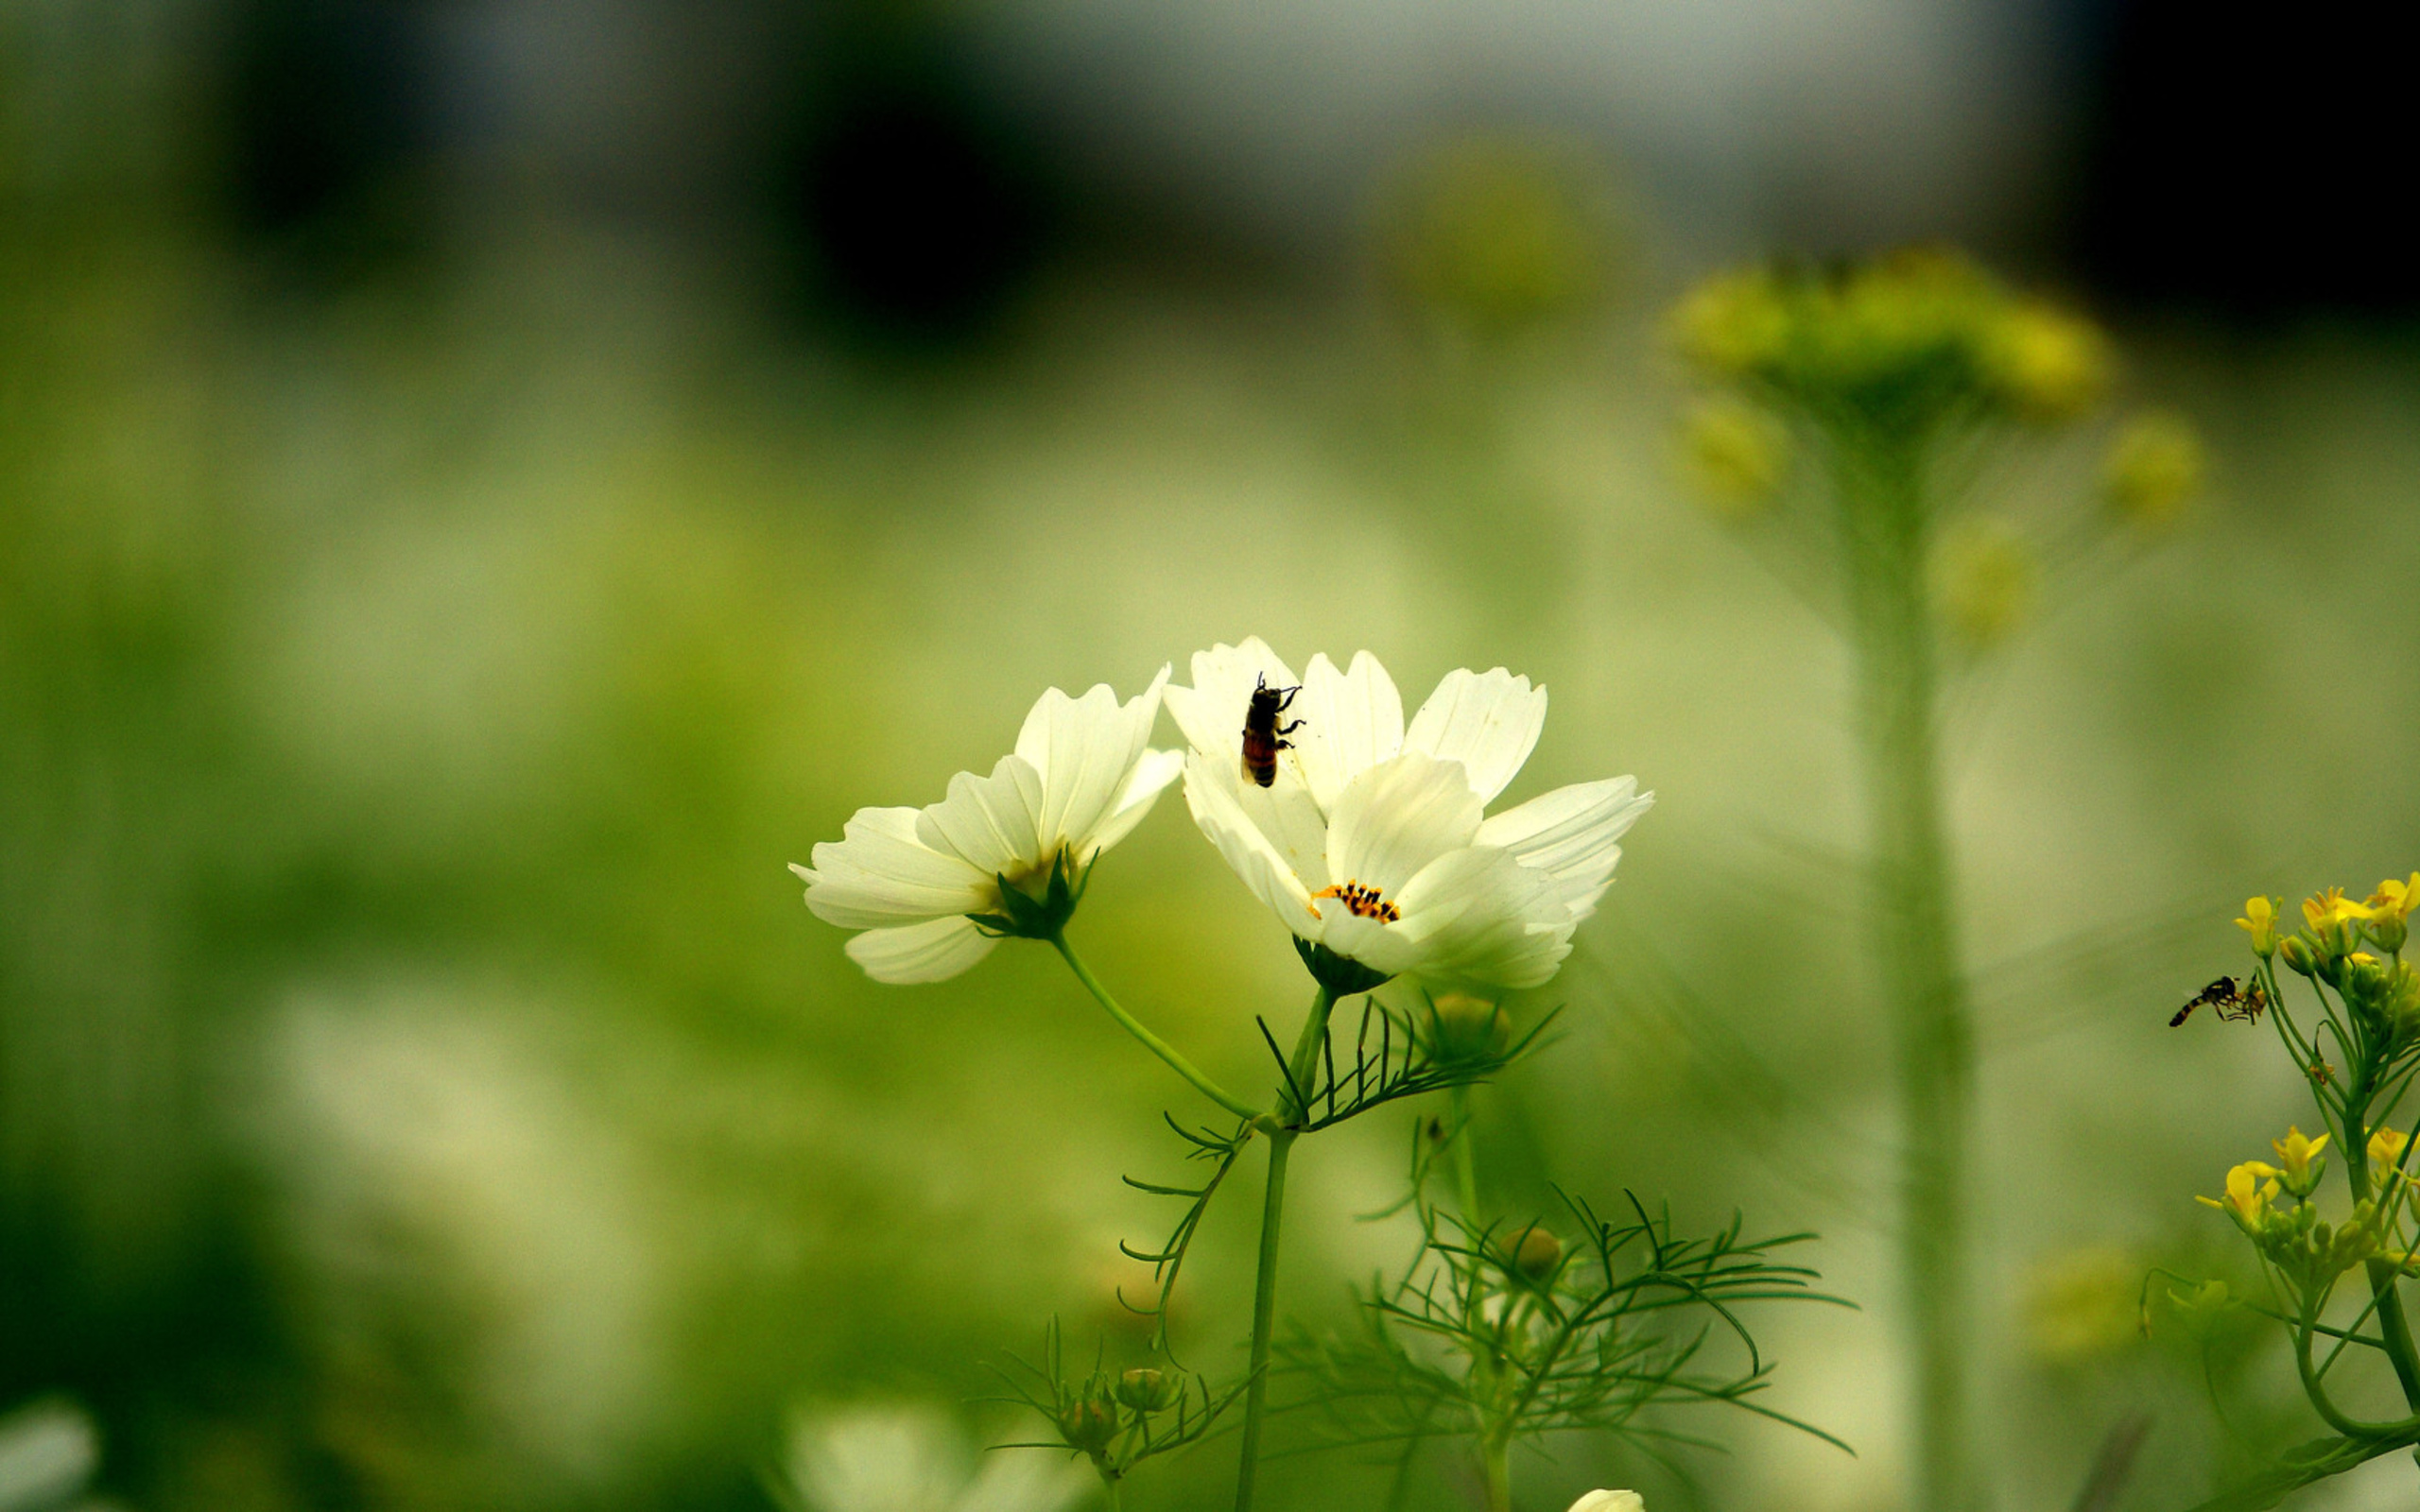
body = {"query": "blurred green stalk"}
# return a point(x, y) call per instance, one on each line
point(1880, 486)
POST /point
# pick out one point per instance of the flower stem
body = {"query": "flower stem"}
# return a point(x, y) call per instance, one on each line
point(1496, 1463)
point(1884, 539)
point(1152, 1042)
point(2395, 1331)
point(1273, 1212)
point(1264, 1318)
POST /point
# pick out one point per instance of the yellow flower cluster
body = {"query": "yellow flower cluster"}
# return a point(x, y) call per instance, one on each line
point(2334, 930)
point(1909, 338)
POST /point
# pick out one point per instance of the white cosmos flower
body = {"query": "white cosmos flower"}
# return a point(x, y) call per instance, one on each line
point(1373, 839)
point(1083, 776)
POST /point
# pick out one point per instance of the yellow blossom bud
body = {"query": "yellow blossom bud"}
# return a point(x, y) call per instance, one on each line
point(1984, 580)
point(2295, 953)
point(2259, 920)
point(2050, 366)
point(2154, 466)
point(1732, 455)
point(2298, 1151)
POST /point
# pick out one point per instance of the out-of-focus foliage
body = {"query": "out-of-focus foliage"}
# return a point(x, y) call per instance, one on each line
point(421, 1086)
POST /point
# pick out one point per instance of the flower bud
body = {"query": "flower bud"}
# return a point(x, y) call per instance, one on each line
point(1090, 1421)
point(1537, 1254)
point(1469, 1028)
point(2296, 954)
point(1146, 1389)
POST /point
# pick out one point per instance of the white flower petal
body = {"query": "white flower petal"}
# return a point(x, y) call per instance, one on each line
point(988, 821)
point(1396, 817)
point(1084, 749)
point(931, 952)
point(1211, 712)
point(1609, 1502)
point(1211, 793)
point(880, 874)
point(1155, 771)
point(1351, 722)
point(1380, 946)
point(1572, 835)
point(1489, 721)
point(1478, 916)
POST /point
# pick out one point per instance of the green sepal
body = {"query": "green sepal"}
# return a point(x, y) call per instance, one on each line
point(1023, 916)
point(1340, 975)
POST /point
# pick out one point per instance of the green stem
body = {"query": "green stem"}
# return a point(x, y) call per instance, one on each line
point(1115, 1490)
point(1273, 1213)
point(1264, 1318)
point(1151, 1041)
point(1465, 1158)
point(1883, 524)
point(1496, 1463)
point(2394, 1330)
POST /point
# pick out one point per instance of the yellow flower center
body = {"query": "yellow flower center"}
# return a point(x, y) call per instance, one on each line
point(1362, 903)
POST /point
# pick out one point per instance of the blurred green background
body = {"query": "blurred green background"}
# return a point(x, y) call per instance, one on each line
point(484, 485)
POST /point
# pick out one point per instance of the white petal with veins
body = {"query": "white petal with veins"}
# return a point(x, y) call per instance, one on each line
point(1489, 721)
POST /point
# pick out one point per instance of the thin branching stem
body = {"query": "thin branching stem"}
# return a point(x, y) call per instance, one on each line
point(1175, 1058)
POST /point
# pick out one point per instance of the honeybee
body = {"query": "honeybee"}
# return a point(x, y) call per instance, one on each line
point(1264, 737)
point(2227, 1000)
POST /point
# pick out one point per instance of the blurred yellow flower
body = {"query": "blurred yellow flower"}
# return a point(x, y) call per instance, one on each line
point(2259, 920)
point(2387, 1146)
point(2154, 466)
point(2051, 365)
point(1609, 1502)
point(1732, 455)
point(1501, 233)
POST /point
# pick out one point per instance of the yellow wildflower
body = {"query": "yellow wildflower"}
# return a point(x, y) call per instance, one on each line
point(2387, 1146)
point(2251, 1187)
point(2298, 1150)
point(2396, 898)
point(2325, 910)
point(2259, 920)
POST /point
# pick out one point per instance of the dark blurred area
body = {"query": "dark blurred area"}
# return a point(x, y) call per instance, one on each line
point(2242, 161)
point(483, 483)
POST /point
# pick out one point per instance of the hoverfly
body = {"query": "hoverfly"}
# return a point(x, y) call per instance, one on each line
point(1264, 737)
point(2227, 999)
